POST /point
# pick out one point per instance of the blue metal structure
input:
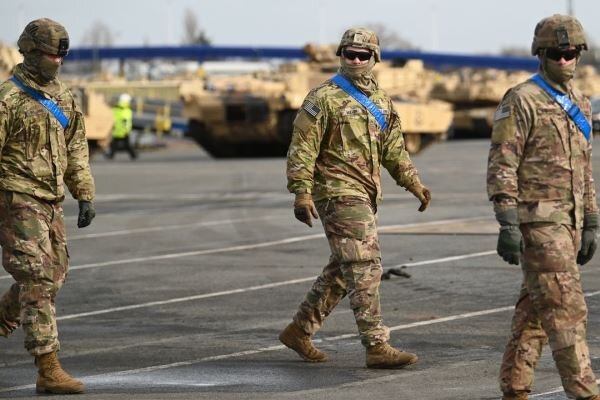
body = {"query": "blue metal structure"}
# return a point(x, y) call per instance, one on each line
point(201, 53)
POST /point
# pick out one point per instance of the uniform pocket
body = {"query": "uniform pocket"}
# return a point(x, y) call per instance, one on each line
point(353, 126)
point(351, 229)
point(32, 141)
point(548, 248)
point(349, 217)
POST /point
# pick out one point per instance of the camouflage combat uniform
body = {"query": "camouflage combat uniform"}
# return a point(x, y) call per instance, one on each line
point(540, 162)
point(336, 154)
point(38, 157)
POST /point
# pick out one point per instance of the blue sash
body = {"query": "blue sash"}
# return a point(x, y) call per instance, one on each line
point(47, 103)
point(570, 108)
point(359, 96)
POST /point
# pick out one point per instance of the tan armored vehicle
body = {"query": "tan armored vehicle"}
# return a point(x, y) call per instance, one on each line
point(155, 103)
point(475, 95)
point(251, 115)
point(98, 117)
point(9, 57)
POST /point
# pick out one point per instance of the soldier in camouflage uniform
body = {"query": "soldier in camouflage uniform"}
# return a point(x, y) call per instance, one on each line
point(334, 170)
point(540, 180)
point(37, 157)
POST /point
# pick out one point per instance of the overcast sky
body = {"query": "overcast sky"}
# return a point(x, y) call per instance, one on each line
point(458, 26)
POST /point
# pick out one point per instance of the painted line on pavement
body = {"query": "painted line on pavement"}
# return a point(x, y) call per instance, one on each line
point(232, 291)
point(247, 246)
point(446, 259)
point(188, 298)
point(553, 391)
point(272, 324)
point(167, 228)
point(191, 253)
point(281, 347)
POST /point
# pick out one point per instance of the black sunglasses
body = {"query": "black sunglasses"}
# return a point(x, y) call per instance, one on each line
point(557, 54)
point(361, 55)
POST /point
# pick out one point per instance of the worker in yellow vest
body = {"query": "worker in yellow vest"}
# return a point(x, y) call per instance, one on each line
point(123, 123)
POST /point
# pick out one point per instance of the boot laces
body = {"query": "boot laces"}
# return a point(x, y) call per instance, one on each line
point(56, 370)
point(389, 350)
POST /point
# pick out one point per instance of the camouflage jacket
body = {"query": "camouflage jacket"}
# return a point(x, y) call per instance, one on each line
point(36, 154)
point(337, 147)
point(539, 160)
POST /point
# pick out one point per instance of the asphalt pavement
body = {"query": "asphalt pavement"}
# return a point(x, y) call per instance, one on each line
point(180, 287)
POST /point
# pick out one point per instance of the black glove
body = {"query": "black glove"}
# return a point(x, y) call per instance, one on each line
point(510, 240)
point(589, 241)
point(86, 213)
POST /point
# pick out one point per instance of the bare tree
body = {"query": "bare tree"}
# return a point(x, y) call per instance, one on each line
point(192, 32)
point(98, 35)
point(390, 39)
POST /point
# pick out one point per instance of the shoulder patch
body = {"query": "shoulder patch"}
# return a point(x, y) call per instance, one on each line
point(503, 111)
point(311, 108)
point(505, 127)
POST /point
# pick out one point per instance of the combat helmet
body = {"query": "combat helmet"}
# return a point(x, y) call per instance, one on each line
point(360, 37)
point(45, 35)
point(561, 31)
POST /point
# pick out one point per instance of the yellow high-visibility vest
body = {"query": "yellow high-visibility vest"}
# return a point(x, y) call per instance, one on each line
point(123, 122)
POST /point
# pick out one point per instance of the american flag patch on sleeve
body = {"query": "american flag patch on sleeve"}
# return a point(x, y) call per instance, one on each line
point(502, 112)
point(311, 108)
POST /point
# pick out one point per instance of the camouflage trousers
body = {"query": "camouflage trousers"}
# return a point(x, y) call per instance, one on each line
point(551, 309)
point(354, 269)
point(34, 252)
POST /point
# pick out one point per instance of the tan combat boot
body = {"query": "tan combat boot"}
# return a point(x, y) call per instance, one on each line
point(296, 339)
point(385, 356)
point(53, 379)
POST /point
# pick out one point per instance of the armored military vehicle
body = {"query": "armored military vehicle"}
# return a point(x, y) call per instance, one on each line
point(9, 57)
point(251, 115)
point(474, 95)
point(155, 104)
point(98, 117)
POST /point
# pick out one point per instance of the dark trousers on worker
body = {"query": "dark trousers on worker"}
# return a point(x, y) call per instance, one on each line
point(121, 144)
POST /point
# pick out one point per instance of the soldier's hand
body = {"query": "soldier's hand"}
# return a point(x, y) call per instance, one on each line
point(421, 192)
point(589, 244)
point(304, 208)
point(510, 244)
point(589, 240)
point(86, 214)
